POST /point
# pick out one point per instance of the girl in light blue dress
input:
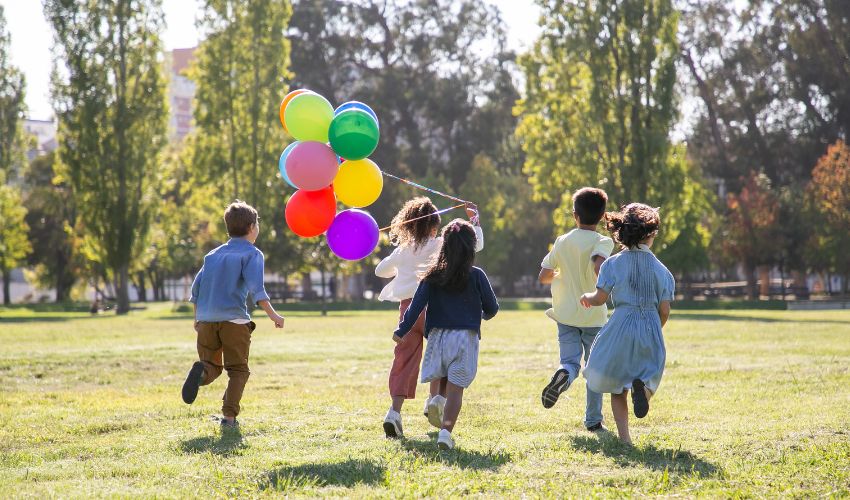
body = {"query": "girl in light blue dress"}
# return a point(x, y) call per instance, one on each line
point(628, 353)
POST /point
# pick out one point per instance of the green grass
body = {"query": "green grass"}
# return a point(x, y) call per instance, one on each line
point(753, 404)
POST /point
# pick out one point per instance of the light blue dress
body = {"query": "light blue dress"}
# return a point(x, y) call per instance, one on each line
point(630, 346)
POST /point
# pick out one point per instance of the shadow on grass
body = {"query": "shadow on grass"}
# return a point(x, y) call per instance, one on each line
point(348, 473)
point(43, 319)
point(678, 461)
point(458, 457)
point(733, 317)
point(229, 442)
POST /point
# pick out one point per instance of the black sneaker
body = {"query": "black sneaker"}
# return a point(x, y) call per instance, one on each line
point(193, 381)
point(639, 402)
point(559, 383)
point(597, 428)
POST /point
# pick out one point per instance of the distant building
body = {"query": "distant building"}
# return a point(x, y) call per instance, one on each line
point(44, 132)
point(181, 92)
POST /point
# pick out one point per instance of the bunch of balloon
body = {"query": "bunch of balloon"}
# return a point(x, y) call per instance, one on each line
point(328, 162)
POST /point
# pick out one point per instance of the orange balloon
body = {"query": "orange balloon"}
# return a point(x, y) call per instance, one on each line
point(285, 101)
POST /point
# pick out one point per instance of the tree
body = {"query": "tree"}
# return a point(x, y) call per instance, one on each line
point(241, 74)
point(110, 103)
point(829, 194)
point(750, 233)
point(14, 246)
point(437, 73)
point(51, 215)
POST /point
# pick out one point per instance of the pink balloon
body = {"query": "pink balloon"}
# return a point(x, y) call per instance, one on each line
point(312, 166)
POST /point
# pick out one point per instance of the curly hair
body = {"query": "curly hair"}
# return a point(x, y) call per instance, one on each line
point(414, 233)
point(454, 263)
point(633, 223)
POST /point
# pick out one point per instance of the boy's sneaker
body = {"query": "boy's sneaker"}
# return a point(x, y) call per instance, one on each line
point(436, 405)
point(639, 402)
point(444, 440)
point(392, 424)
point(227, 425)
point(193, 381)
point(560, 382)
point(597, 428)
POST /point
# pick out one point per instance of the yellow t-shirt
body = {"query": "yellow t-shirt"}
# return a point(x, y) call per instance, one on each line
point(572, 259)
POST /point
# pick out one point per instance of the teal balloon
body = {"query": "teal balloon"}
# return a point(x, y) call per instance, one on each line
point(354, 134)
point(281, 163)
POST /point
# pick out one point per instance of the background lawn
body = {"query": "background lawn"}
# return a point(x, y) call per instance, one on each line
point(753, 403)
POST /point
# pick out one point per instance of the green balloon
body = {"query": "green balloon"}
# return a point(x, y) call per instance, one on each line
point(308, 117)
point(353, 134)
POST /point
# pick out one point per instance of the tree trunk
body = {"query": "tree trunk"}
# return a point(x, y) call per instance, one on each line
point(324, 303)
point(306, 287)
point(139, 285)
point(764, 278)
point(122, 295)
point(752, 289)
point(7, 281)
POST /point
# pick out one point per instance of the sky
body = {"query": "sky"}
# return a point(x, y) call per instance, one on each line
point(32, 38)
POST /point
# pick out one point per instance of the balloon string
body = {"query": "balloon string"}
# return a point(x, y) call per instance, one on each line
point(424, 188)
point(422, 217)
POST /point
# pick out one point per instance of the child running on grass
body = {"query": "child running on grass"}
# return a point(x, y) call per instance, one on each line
point(457, 296)
point(629, 352)
point(417, 246)
point(571, 268)
point(219, 294)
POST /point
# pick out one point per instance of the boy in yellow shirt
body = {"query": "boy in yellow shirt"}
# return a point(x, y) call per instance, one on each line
point(571, 267)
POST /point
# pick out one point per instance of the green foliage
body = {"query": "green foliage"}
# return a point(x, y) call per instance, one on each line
point(12, 107)
point(51, 215)
point(14, 244)
point(110, 103)
point(241, 74)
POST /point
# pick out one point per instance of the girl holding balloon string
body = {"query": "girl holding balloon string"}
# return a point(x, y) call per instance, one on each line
point(414, 231)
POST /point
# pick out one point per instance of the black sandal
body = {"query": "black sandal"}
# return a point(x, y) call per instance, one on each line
point(559, 383)
point(639, 402)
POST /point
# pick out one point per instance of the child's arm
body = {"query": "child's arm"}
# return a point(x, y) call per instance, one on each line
point(596, 298)
point(417, 305)
point(664, 311)
point(253, 273)
point(472, 214)
point(388, 267)
point(546, 276)
point(598, 260)
point(489, 303)
point(271, 313)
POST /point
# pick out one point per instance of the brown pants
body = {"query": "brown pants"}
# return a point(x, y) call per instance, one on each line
point(404, 373)
point(225, 344)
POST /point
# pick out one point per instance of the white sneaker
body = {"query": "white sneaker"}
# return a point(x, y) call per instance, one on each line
point(392, 424)
point(445, 441)
point(435, 408)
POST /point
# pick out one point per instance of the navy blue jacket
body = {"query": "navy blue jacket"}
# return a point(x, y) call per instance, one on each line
point(453, 310)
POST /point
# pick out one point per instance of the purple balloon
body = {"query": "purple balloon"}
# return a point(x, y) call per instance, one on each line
point(353, 234)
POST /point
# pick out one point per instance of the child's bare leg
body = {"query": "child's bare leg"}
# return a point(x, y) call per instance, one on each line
point(454, 400)
point(434, 388)
point(438, 386)
point(620, 408)
point(397, 402)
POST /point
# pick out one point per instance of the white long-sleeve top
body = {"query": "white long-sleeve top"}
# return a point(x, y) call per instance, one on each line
point(406, 263)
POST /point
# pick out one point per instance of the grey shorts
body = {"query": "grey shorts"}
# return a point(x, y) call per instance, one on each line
point(452, 354)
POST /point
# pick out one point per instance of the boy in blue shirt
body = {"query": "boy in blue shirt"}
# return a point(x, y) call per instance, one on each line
point(219, 294)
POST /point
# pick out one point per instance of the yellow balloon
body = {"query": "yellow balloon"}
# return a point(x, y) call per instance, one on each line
point(358, 183)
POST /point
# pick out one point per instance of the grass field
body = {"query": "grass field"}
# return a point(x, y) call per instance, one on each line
point(753, 404)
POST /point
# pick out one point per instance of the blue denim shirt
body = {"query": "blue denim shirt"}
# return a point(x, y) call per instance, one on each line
point(230, 272)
